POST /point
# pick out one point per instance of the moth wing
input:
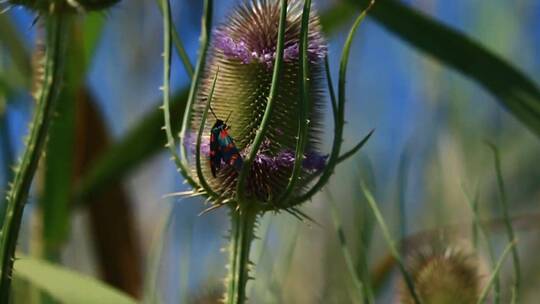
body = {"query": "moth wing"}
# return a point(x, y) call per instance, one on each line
point(215, 153)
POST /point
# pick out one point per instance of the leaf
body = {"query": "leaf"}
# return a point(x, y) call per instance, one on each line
point(91, 34)
point(66, 285)
point(515, 91)
point(110, 213)
point(122, 157)
point(10, 38)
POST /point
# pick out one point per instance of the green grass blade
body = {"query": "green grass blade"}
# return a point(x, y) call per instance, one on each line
point(276, 285)
point(515, 91)
point(67, 286)
point(17, 195)
point(482, 233)
point(158, 245)
point(495, 274)
point(391, 244)
point(356, 280)
point(507, 223)
point(401, 193)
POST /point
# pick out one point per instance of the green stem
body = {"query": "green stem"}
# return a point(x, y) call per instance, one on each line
point(391, 244)
point(55, 27)
point(242, 234)
point(356, 279)
point(508, 224)
point(495, 274)
point(261, 132)
point(481, 232)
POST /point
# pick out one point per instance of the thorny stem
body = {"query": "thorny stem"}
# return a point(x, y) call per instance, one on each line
point(261, 132)
point(242, 234)
point(171, 143)
point(203, 50)
point(16, 199)
point(179, 46)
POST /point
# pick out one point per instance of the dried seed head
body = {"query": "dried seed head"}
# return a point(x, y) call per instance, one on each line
point(54, 6)
point(442, 274)
point(244, 50)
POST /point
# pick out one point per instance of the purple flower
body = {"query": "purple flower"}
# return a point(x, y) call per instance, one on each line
point(232, 49)
point(251, 35)
point(314, 161)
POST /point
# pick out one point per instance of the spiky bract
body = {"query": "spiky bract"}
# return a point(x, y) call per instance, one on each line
point(442, 274)
point(243, 50)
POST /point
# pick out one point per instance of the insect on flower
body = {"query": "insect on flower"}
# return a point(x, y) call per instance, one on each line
point(222, 147)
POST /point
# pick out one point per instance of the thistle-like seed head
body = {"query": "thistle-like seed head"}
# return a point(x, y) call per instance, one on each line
point(442, 274)
point(243, 49)
point(55, 6)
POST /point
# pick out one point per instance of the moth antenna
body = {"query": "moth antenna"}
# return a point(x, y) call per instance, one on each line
point(212, 111)
point(227, 120)
point(211, 94)
point(6, 9)
point(35, 20)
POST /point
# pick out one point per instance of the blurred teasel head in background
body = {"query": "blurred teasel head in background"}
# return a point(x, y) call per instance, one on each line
point(444, 272)
point(241, 58)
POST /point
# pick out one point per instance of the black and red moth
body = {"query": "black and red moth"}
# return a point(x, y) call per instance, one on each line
point(222, 148)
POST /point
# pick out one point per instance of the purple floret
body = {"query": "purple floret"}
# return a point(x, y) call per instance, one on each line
point(313, 161)
point(233, 49)
point(240, 50)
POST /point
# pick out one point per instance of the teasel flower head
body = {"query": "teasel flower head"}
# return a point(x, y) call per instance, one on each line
point(239, 74)
point(443, 272)
point(63, 6)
